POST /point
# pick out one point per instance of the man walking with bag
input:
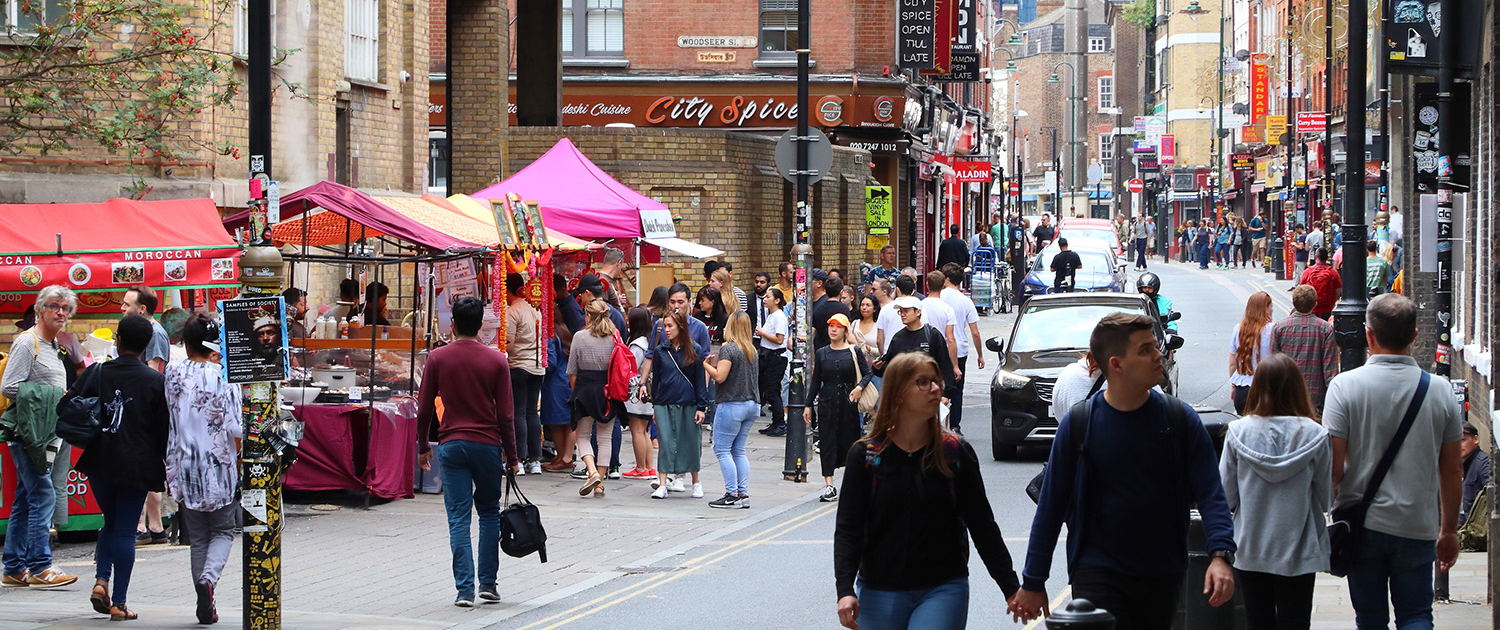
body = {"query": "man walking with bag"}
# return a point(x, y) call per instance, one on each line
point(478, 422)
point(1402, 469)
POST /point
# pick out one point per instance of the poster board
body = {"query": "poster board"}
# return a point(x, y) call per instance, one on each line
point(253, 339)
point(505, 227)
point(650, 276)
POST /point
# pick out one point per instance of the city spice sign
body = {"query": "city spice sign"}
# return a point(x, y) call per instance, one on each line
point(724, 110)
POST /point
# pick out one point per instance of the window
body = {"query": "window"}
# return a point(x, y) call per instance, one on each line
point(53, 11)
point(1098, 45)
point(437, 162)
point(778, 27)
point(362, 32)
point(1106, 92)
point(242, 29)
point(1107, 152)
point(593, 28)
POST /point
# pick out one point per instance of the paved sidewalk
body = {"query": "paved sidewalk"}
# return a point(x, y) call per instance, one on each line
point(1468, 584)
point(388, 567)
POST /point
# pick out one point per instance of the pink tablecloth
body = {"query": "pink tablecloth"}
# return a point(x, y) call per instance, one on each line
point(349, 448)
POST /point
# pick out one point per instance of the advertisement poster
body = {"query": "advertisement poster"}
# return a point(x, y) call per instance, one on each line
point(253, 340)
point(878, 210)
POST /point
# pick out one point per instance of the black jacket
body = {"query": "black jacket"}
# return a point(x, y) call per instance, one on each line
point(132, 451)
point(952, 250)
point(1476, 477)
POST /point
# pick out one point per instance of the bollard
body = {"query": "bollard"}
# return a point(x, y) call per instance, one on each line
point(1080, 614)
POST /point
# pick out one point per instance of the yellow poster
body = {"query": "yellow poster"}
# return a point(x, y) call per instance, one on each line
point(876, 243)
point(878, 210)
point(1275, 126)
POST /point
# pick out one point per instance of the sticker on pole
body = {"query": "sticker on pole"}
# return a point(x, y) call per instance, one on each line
point(254, 502)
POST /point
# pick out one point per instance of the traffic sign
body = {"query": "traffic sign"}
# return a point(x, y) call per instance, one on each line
point(1135, 185)
point(1015, 189)
point(819, 155)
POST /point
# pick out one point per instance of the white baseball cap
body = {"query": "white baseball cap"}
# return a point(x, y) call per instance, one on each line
point(906, 301)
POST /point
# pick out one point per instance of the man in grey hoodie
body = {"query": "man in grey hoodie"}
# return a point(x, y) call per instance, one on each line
point(1276, 472)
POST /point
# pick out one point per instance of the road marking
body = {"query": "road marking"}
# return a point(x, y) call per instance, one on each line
point(1066, 592)
point(605, 601)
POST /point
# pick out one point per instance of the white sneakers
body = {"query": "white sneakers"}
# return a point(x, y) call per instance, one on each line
point(697, 491)
point(673, 485)
point(676, 485)
point(659, 493)
point(534, 467)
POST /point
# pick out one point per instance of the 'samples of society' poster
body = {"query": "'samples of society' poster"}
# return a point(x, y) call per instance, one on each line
point(254, 339)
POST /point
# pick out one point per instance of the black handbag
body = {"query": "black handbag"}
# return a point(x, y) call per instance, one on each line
point(79, 416)
point(521, 532)
point(1349, 521)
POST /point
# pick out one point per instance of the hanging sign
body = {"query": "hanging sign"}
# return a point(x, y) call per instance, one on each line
point(972, 172)
point(945, 22)
point(1168, 148)
point(1275, 126)
point(916, 35)
point(878, 210)
point(1312, 122)
point(1242, 162)
point(1260, 91)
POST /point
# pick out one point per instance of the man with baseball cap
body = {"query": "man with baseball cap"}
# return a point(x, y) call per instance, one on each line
point(916, 336)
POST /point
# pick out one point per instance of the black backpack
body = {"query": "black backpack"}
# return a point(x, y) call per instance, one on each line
point(1176, 425)
point(521, 531)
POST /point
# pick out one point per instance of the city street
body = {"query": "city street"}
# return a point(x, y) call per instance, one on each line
point(676, 563)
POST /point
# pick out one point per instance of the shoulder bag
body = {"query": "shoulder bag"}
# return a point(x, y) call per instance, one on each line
point(79, 416)
point(1349, 521)
point(521, 532)
point(869, 397)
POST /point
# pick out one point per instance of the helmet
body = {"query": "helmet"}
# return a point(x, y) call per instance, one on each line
point(1148, 279)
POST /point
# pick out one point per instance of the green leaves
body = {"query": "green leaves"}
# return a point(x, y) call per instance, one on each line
point(1141, 13)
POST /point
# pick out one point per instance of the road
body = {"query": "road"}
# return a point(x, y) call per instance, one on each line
point(779, 572)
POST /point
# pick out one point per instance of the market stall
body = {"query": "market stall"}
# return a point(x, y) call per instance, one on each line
point(98, 250)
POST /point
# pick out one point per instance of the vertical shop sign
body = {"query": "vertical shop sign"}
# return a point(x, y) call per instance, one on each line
point(945, 22)
point(1260, 92)
point(915, 37)
point(1168, 148)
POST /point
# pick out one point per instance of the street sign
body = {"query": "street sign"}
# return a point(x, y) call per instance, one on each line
point(1095, 173)
point(1135, 185)
point(819, 155)
point(1312, 122)
point(1168, 148)
point(1015, 189)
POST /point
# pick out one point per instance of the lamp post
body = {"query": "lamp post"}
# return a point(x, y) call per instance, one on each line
point(1056, 173)
point(1072, 130)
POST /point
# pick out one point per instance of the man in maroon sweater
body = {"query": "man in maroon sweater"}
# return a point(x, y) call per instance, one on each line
point(478, 421)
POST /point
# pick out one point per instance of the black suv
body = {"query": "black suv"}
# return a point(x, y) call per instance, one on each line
point(1051, 332)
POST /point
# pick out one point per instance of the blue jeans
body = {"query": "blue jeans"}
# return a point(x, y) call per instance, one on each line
point(115, 552)
point(1203, 256)
point(731, 430)
point(1400, 566)
point(942, 607)
point(26, 545)
point(472, 473)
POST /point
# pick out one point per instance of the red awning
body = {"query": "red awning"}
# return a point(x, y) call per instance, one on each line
point(109, 246)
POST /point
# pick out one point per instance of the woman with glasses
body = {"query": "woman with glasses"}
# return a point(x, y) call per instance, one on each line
point(913, 497)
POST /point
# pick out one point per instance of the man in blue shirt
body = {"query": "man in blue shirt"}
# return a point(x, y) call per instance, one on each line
point(679, 300)
point(1258, 236)
point(1126, 505)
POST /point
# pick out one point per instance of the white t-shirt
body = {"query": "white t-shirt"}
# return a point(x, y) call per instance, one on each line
point(938, 315)
point(775, 323)
point(890, 323)
point(964, 314)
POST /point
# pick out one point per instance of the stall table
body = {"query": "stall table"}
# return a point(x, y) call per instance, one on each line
point(355, 447)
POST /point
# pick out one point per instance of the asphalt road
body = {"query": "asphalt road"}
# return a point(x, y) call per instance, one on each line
point(777, 571)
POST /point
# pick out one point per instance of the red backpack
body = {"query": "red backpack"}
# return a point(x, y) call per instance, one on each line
point(621, 371)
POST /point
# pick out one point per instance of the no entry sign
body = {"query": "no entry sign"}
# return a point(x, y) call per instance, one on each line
point(1135, 185)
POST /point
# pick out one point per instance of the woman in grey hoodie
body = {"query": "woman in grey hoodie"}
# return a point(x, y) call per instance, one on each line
point(1276, 470)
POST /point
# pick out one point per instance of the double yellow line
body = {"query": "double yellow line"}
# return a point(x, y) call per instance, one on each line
point(618, 596)
point(1278, 295)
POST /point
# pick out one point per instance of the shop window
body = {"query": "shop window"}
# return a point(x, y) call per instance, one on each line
point(362, 40)
point(778, 28)
point(437, 162)
point(241, 35)
point(53, 11)
point(593, 28)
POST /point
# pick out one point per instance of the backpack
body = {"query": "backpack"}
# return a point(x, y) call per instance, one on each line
point(1474, 533)
point(621, 371)
point(4, 402)
point(1176, 425)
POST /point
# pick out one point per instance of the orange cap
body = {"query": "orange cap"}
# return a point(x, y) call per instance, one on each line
point(839, 319)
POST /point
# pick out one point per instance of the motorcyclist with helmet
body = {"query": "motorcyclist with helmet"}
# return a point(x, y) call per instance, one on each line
point(1149, 284)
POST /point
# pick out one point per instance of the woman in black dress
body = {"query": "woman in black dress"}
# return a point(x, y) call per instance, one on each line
point(711, 311)
point(839, 375)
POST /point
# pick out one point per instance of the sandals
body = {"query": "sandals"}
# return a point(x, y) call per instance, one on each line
point(99, 598)
point(121, 613)
point(592, 485)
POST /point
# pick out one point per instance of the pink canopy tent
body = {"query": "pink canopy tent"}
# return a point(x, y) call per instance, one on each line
point(577, 197)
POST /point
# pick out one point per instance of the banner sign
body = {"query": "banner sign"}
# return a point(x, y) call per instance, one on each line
point(972, 172)
point(1242, 162)
point(878, 210)
point(187, 268)
point(964, 61)
point(1147, 165)
point(1260, 91)
point(945, 17)
point(916, 21)
point(1168, 148)
point(253, 339)
point(1312, 122)
point(1275, 126)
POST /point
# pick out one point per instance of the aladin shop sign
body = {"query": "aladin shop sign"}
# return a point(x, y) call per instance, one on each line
point(725, 110)
point(971, 172)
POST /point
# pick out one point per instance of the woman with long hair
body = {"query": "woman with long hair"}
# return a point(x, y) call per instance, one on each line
point(1222, 234)
point(679, 398)
point(840, 374)
point(1236, 240)
point(862, 332)
point(588, 372)
point(733, 369)
point(709, 309)
point(658, 303)
point(906, 538)
point(1250, 343)
point(774, 334)
point(638, 409)
point(847, 297)
point(1277, 471)
point(203, 456)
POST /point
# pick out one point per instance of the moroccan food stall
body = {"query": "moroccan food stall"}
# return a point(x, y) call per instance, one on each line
point(178, 247)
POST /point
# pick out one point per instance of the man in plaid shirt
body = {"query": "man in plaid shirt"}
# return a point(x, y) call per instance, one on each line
point(1308, 340)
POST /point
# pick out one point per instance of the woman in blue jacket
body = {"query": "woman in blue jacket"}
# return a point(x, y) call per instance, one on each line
point(679, 395)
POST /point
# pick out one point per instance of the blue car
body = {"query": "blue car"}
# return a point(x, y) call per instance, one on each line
point(1101, 271)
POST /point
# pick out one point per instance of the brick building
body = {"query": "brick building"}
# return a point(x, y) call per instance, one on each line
point(357, 118)
point(702, 76)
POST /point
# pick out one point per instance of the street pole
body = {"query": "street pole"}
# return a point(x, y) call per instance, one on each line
point(795, 467)
point(1327, 195)
point(1447, 114)
point(260, 467)
point(1286, 174)
point(1349, 314)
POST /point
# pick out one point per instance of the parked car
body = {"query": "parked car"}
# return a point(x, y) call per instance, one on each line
point(1096, 229)
point(1050, 332)
point(1102, 270)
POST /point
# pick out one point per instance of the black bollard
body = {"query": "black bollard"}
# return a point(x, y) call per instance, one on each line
point(1080, 614)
